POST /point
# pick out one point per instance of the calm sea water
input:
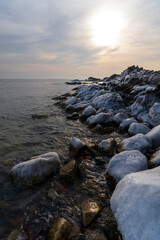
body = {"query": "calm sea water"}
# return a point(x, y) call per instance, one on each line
point(22, 137)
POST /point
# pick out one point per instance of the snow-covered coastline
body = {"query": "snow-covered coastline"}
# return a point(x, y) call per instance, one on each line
point(128, 104)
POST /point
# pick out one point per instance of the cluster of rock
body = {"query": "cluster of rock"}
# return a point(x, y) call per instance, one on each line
point(128, 102)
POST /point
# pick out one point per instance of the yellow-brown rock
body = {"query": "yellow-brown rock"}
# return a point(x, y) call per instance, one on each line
point(61, 230)
point(69, 171)
point(90, 210)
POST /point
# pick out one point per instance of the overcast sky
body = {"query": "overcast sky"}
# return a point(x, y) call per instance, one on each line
point(77, 39)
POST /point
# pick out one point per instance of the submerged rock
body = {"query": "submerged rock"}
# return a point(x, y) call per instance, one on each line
point(90, 210)
point(135, 204)
point(35, 170)
point(126, 162)
point(61, 230)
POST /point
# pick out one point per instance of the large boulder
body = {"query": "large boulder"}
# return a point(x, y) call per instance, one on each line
point(138, 142)
point(126, 162)
point(135, 128)
point(154, 114)
point(135, 204)
point(35, 170)
point(109, 100)
point(154, 136)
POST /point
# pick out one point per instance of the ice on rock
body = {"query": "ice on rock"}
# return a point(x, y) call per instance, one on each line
point(119, 117)
point(154, 114)
point(88, 111)
point(36, 169)
point(154, 136)
point(109, 100)
point(126, 162)
point(101, 118)
point(127, 122)
point(138, 142)
point(135, 204)
point(135, 128)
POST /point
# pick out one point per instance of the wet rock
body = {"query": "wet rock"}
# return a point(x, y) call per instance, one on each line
point(35, 170)
point(14, 235)
point(76, 145)
point(139, 142)
point(40, 116)
point(154, 114)
point(61, 230)
point(75, 232)
point(154, 136)
point(69, 171)
point(102, 130)
point(90, 210)
point(126, 123)
point(73, 116)
point(108, 224)
point(71, 101)
point(107, 146)
point(119, 117)
point(126, 162)
point(94, 235)
point(52, 194)
point(135, 128)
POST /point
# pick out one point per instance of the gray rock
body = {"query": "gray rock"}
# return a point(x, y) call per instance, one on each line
point(135, 128)
point(101, 118)
point(139, 142)
point(126, 162)
point(88, 111)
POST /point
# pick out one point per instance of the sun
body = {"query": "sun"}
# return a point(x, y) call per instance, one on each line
point(106, 28)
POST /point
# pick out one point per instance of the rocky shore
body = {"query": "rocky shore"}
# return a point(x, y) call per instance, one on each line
point(106, 189)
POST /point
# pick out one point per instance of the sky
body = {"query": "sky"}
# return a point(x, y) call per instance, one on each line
point(77, 39)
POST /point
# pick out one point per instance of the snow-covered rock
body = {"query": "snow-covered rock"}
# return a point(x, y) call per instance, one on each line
point(119, 117)
point(135, 204)
point(71, 101)
point(101, 118)
point(76, 145)
point(154, 136)
point(155, 159)
point(36, 169)
point(138, 142)
point(154, 114)
point(126, 162)
point(88, 111)
point(109, 100)
point(135, 128)
point(127, 122)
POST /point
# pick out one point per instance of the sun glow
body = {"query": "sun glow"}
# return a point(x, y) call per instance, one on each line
point(106, 28)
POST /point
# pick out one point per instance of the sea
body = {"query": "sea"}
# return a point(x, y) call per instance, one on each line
point(23, 136)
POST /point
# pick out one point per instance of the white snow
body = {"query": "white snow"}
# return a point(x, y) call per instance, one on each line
point(36, 169)
point(136, 205)
point(126, 162)
point(138, 142)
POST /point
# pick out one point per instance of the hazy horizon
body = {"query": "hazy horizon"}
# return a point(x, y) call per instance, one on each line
point(68, 39)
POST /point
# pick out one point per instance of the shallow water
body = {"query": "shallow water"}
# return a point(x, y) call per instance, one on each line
point(22, 137)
